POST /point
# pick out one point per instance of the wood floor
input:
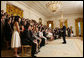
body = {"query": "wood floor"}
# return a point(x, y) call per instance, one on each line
point(73, 48)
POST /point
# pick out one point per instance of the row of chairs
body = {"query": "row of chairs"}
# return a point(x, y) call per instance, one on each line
point(25, 49)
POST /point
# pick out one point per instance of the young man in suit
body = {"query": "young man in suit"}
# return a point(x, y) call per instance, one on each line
point(64, 34)
point(28, 39)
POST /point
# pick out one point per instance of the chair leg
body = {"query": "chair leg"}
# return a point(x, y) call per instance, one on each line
point(7, 45)
point(25, 51)
point(22, 51)
point(30, 51)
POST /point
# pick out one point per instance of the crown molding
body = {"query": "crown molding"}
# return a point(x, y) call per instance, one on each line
point(31, 9)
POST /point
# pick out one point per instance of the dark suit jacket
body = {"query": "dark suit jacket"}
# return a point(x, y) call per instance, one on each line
point(44, 34)
point(2, 29)
point(8, 32)
point(2, 34)
point(27, 37)
point(64, 31)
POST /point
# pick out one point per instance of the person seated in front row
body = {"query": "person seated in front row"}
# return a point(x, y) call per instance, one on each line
point(50, 35)
point(29, 40)
point(35, 33)
point(42, 40)
point(45, 33)
point(41, 35)
point(37, 39)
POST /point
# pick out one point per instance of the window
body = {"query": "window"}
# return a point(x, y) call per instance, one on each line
point(79, 28)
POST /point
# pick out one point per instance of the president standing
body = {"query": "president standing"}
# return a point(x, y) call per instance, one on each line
point(64, 34)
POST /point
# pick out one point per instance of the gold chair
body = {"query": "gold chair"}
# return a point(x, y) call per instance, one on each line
point(24, 48)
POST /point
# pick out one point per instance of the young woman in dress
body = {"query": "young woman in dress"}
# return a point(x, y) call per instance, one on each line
point(16, 41)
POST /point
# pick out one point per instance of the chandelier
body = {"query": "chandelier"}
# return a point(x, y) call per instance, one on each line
point(54, 5)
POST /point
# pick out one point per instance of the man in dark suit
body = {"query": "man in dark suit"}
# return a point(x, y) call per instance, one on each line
point(2, 30)
point(69, 32)
point(64, 34)
point(28, 39)
point(8, 31)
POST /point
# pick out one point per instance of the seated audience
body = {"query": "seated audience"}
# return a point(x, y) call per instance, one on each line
point(29, 39)
point(41, 35)
point(50, 35)
point(35, 33)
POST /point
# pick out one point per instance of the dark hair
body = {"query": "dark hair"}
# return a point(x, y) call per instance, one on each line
point(42, 28)
point(27, 25)
point(39, 28)
point(8, 20)
point(16, 18)
point(2, 15)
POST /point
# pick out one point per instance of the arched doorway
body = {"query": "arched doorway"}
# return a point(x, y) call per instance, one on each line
point(79, 27)
point(50, 24)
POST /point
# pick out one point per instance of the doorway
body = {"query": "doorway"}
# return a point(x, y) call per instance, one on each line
point(50, 24)
point(79, 27)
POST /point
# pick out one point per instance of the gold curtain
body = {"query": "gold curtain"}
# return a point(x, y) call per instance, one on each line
point(65, 23)
point(81, 28)
point(77, 28)
point(61, 24)
point(11, 9)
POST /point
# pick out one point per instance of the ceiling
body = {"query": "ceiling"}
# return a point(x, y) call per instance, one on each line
point(68, 7)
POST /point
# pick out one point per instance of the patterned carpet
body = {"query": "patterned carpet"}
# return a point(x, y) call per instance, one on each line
point(73, 48)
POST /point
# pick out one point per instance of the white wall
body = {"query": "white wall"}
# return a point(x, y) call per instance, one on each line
point(3, 5)
point(27, 12)
point(70, 20)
